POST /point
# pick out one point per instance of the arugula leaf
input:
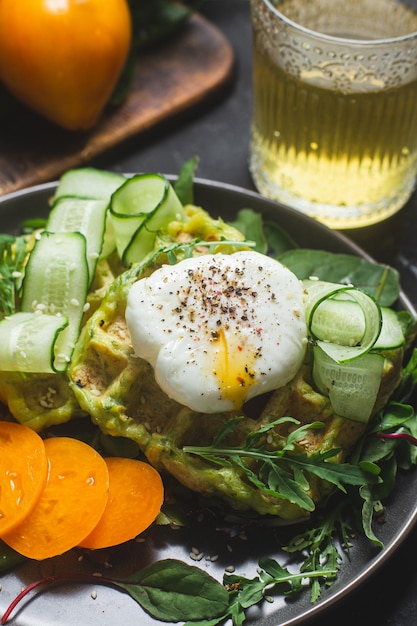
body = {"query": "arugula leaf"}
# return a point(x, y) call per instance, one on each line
point(368, 510)
point(408, 379)
point(283, 473)
point(246, 592)
point(12, 257)
point(318, 542)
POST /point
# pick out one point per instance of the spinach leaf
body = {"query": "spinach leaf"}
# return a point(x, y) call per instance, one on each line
point(170, 590)
point(250, 224)
point(279, 241)
point(380, 281)
point(184, 183)
point(268, 236)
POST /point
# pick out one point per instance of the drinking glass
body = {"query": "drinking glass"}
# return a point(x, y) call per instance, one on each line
point(334, 130)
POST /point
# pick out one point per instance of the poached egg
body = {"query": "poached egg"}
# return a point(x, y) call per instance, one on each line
point(219, 329)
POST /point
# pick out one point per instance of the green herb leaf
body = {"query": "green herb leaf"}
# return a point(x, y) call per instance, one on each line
point(284, 473)
point(378, 280)
point(36, 223)
point(12, 257)
point(247, 592)
point(250, 224)
point(368, 515)
point(9, 558)
point(170, 590)
point(154, 20)
point(278, 239)
point(317, 542)
point(183, 186)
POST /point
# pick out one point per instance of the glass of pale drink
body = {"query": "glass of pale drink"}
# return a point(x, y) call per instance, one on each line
point(334, 131)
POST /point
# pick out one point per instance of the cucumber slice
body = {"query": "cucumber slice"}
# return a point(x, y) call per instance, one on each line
point(345, 324)
point(345, 346)
point(84, 216)
point(391, 335)
point(338, 321)
point(27, 342)
point(143, 206)
point(351, 387)
point(88, 182)
point(343, 321)
point(56, 283)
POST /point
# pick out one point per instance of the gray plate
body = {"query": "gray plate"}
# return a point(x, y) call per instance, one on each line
point(76, 603)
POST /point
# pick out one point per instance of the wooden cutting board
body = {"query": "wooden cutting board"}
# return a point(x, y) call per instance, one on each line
point(182, 72)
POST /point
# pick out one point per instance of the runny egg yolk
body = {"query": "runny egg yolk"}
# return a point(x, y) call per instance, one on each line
point(219, 329)
point(233, 369)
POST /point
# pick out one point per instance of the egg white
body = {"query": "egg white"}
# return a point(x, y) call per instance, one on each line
point(219, 329)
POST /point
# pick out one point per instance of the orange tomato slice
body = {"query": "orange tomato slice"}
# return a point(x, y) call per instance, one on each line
point(71, 504)
point(136, 494)
point(23, 473)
